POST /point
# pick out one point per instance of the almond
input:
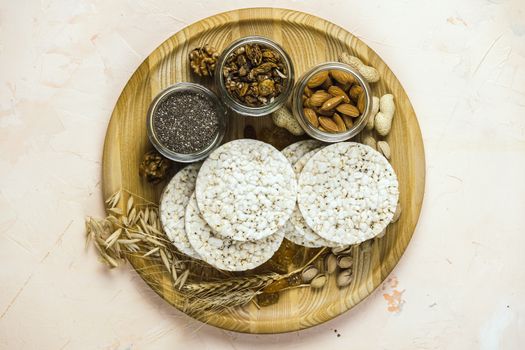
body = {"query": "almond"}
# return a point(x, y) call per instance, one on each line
point(345, 87)
point(317, 79)
point(339, 121)
point(361, 104)
point(328, 113)
point(348, 109)
point(348, 121)
point(355, 91)
point(306, 103)
point(328, 124)
point(308, 92)
point(327, 83)
point(342, 77)
point(311, 116)
point(319, 97)
point(304, 98)
point(337, 91)
point(331, 103)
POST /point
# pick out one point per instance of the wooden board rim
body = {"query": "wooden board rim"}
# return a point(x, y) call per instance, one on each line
point(198, 27)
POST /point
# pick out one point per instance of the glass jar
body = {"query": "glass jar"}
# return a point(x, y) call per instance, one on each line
point(187, 157)
point(236, 105)
point(297, 104)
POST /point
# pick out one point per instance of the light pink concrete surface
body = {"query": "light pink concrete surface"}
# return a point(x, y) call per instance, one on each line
point(460, 284)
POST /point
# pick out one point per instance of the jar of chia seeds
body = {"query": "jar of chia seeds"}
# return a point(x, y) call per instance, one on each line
point(186, 122)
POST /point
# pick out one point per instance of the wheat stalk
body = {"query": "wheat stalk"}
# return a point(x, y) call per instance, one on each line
point(137, 232)
point(203, 289)
point(197, 306)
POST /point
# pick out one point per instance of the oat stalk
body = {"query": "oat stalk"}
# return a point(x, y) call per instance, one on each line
point(137, 232)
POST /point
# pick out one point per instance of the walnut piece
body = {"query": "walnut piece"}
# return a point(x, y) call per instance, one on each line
point(203, 60)
point(154, 167)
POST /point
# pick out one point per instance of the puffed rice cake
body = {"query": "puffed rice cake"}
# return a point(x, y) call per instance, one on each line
point(173, 201)
point(246, 190)
point(348, 193)
point(224, 253)
point(302, 234)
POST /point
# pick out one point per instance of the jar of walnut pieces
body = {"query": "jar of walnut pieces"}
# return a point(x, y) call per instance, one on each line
point(254, 76)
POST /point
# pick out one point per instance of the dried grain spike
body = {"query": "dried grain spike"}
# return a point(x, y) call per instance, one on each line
point(181, 280)
point(130, 205)
point(151, 251)
point(116, 211)
point(164, 259)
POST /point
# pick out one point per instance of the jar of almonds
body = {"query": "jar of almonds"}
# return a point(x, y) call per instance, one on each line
point(332, 102)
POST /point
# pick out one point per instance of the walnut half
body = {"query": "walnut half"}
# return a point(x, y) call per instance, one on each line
point(203, 60)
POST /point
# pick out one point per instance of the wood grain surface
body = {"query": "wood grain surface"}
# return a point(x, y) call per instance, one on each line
point(309, 40)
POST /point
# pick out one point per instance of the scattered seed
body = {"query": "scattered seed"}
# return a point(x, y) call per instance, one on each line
point(164, 259)
point(319, 281)
point(330, 263)
point(344, 261)
point(182, 279)
point(117, 211)
point(152, 251)
point(341, 250)
point(344, 278)
point(384, 149)
point(309, 273)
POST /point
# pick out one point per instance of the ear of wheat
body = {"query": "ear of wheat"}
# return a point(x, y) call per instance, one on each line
point(134, 230)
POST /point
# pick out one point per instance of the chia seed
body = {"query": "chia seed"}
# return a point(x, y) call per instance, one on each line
point(186, 122)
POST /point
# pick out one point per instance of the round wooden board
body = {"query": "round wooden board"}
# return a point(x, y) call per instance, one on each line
point(309, 40)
